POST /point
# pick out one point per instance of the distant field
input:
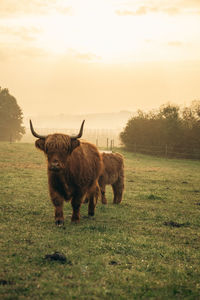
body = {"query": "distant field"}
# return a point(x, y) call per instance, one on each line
point(148, 247)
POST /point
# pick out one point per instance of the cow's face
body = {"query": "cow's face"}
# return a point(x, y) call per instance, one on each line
point(57, 148)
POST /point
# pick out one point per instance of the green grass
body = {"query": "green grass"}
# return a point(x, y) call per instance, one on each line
point(127, 251)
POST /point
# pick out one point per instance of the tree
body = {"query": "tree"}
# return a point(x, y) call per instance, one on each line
point(191, 123)
point(143, 129)
point(177, 129)
point(171, 124)
point(11, 117)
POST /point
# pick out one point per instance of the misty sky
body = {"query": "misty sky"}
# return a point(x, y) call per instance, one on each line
point(84, 56)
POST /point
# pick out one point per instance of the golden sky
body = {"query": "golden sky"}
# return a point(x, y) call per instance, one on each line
point(84, 56)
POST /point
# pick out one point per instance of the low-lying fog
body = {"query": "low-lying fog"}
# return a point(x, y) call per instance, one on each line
point(102, 129)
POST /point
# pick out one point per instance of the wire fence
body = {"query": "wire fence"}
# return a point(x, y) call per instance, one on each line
point(167, 151)
point(109, 139)
point(102, 138)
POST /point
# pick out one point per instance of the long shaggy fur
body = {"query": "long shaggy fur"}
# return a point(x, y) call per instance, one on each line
point(73, 171)
point(112, 174)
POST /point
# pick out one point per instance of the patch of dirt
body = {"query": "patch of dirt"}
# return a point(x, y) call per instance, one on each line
point(57, 256)
point(5, 282)
point(176, 224)
point(113, 263)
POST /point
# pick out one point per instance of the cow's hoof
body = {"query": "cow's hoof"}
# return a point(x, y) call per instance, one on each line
point(59, 222)
point(104, 202)
point(116, 202)
point(75, 221)
point(91, 214)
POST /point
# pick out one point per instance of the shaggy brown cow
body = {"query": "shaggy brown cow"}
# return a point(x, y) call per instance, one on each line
point(73, 171)
point(113, 174)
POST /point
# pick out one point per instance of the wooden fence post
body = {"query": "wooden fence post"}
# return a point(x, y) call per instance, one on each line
point(166, 151)
point(111, 145)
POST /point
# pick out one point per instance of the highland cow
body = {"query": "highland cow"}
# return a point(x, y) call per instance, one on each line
point(73, 170)
point(112, 174)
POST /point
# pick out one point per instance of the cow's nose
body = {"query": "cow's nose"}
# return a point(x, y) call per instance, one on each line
point(55, 166)
point(55, 163)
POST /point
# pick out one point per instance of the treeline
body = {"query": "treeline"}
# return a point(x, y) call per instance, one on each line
point(11, 117)
point(170, 130)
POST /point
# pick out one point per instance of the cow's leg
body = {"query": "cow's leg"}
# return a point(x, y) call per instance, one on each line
point(118, 188)
point(76, 204)
point(91, 205)
point(102, 187)
point(103, 194)
point(86, 200)
point(93, 196)
point(58, 205)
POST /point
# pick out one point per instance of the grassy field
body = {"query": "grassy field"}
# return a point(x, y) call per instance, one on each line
point(148, 247)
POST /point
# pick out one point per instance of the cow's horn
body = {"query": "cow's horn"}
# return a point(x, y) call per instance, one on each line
point(35, 134)
point(80, 132)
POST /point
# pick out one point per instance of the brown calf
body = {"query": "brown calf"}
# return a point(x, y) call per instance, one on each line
point(112, 174)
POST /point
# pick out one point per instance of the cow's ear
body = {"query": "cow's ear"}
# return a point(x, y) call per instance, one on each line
point(40, 143)
point(74, 144)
